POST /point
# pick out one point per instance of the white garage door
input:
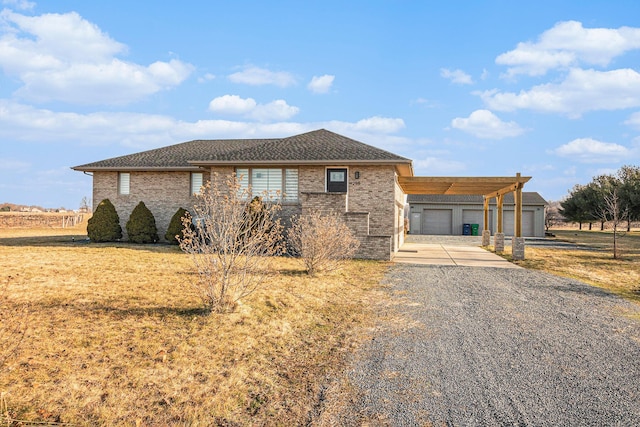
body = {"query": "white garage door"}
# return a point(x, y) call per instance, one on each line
point(475, 216)
point(437, 221)
point(527, 223)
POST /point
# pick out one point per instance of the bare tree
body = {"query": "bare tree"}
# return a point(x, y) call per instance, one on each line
point(231, 240)
point(615, 215)
point(85, 204)
point(551, 215)
point(323, 242)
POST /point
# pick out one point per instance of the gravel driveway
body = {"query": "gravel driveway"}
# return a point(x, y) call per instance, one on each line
point(464, 346)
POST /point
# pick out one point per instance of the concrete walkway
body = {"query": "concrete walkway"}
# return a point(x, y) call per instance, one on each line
point(453, 254)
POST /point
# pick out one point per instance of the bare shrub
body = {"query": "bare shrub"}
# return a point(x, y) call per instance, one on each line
point(323, 242)
point(13, 325)
point(230, 239)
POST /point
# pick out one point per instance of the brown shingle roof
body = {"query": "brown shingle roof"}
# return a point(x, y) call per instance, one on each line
point(312, 147)
point(528, 198)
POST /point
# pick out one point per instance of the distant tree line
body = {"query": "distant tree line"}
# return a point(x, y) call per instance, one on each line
point(592, 203)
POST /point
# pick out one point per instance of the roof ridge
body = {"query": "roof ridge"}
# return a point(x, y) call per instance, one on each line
point(335, 134)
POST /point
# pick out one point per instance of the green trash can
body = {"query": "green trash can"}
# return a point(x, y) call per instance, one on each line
point(474, 229)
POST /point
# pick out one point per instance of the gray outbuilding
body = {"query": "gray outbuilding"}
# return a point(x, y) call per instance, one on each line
point(440, 214)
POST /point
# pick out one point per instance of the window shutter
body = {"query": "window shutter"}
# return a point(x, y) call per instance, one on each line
point(291, 185)
point(124, 180)
point(196, 182)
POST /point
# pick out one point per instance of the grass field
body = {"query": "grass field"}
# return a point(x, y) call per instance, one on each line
point(114, 336)
point(593, 263)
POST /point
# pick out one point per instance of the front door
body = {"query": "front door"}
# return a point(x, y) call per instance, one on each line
point(336, 180)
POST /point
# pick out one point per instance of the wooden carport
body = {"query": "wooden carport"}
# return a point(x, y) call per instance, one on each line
point(488, 187)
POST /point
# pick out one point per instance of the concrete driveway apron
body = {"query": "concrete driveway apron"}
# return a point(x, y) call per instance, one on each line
point(453, 254)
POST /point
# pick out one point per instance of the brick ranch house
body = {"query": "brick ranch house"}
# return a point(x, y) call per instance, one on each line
point(317, 170)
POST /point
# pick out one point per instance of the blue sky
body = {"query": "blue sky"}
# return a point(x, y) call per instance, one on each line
point(464, 88)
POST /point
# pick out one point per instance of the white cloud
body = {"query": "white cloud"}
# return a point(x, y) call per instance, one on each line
point(19, 122)
point(12, 165)
point(116, 82)
point(207, 77)
point(232, 104)
point(589, 150)
point(235, 105)
point(275, 110)
point(437, 166)
point(484, 124)
point(257, 76)
point(64, 57)
point(379, 125)
point(321, 84)
point(634, 121)
point(426, 103)
point(569, 44)
point(20, 4)
point(580, 92)
point(456, 76)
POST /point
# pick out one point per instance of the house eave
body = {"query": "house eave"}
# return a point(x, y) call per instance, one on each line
point(137, 169)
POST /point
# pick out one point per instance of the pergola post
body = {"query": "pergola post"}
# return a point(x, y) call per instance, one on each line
point(486, 232)
point(498, 239)
point(517, 246)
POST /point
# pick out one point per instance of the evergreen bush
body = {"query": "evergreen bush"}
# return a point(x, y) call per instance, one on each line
point(141, 227)
point(104, 225)
point(175, 231)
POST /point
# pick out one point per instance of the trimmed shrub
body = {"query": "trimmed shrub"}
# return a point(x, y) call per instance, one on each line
point(175, 232)
point(141, 227)
point(104, 225)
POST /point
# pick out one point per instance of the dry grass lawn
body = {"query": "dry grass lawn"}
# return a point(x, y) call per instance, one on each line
point(594, 264)
point(116, 337)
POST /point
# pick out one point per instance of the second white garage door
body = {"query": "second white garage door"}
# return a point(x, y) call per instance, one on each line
point(437, 221)
point(475, 216)
point(527, 223)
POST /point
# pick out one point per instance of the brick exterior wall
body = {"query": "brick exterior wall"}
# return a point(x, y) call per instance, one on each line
point(374, 192)
point(358, 222)
point(311, 179)
point(325, 203)
point(375, 247)
point(162, 192)
point(373, 205)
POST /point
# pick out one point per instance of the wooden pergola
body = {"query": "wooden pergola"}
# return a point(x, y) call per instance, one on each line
point(489, 187)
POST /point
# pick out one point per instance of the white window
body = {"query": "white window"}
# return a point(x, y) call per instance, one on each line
point(266, 182)
point(196, 182)
point(291, 185)
point(272, 182)
point(124, 180)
